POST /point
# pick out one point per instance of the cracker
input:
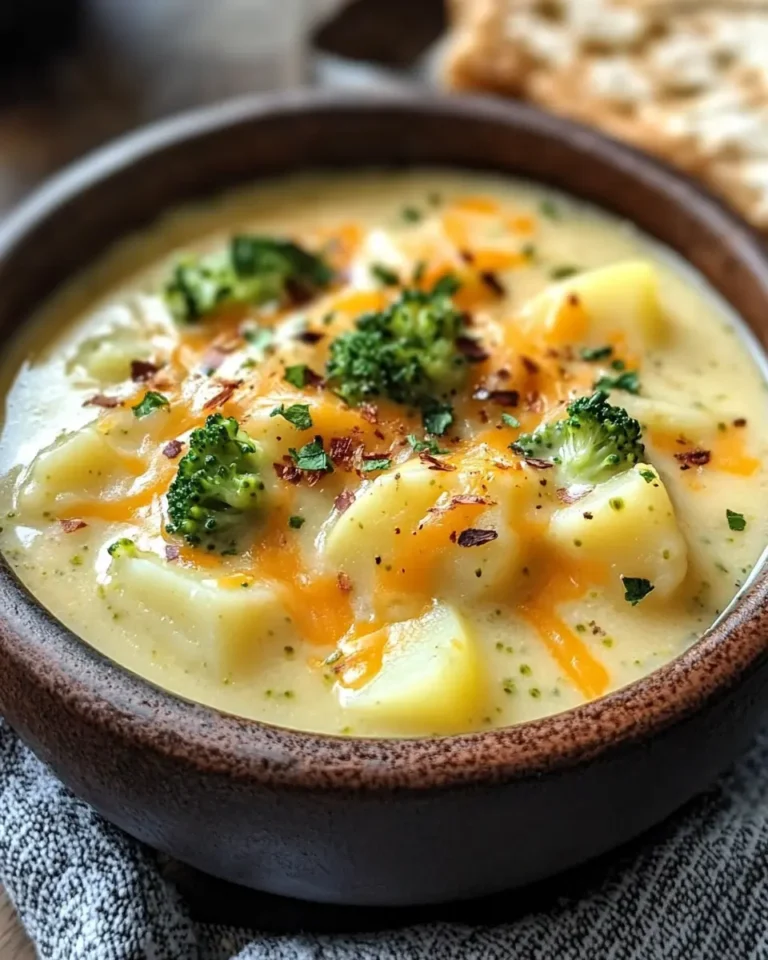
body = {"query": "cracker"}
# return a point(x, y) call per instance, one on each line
point(685, 80)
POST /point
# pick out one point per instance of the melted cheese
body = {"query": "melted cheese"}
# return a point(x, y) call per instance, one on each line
point(369, 603)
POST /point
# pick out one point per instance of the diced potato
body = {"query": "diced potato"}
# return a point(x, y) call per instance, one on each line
point(430, 680)
point(81, 464)
point(628, 523)
point(621, 299)
point(670, 418)
point(194, 621)
point(396, 500)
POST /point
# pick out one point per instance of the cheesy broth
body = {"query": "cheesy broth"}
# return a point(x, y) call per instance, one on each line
point(384, 579)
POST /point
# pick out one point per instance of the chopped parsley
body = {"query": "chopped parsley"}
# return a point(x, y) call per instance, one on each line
point(298, 414)
point(379, 463)
point(736, 521)
point(411, 215)
point(429, 446)
point(151, 401)
point(635, 589)
point(509, 421)
point(648, 475)
point(549, 209)
point(437, 417)
point(564, 271)
point(592, 354)
point(384, 275)
point(628, 381)
point(297, 375)
point(295, 523)
point(312, 456)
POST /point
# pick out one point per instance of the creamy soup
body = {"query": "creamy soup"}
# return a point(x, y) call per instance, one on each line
point(389, 455)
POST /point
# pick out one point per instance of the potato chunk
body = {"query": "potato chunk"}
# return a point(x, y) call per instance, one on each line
point(597, 306)
point(192, 620)
point(81, 464)
point(628, 523)
point(430, 678)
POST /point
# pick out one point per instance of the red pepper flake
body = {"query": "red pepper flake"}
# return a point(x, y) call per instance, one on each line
point(369, 412)
point(538, 464)
point(310, 336)
point(505, 398)
point(493, 283)
point(70, 526)
point(573, 494)
point(530, 365)
point(172, 449)
point(475, 537)
point(101, 400)
point(461, 498)
point(142, 370)
point(344, 500)
point(471, 349)
point(740, 422)
point(588, 515)
point(342, 450)
point(467, 256)
point(573, 299)
point(171, 552)
point(345, 584)
point(693, 458)
point(287, 470)
point(228, 387)
point(436, 464)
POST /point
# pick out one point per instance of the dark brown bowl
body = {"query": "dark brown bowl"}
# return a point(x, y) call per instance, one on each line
point(365, 821)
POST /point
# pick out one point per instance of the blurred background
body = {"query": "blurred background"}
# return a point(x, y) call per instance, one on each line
point(75, 73)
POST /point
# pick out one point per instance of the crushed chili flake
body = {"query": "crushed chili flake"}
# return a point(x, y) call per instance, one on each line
point(142, 370)
point(298, 293)
point(342, 451)
point(476, 537)
point(493, 283)
point(228, 387)
point(312, 379)
point(310, 336)
point(379, 434)
point(434, 463)
point(693, 458)
point(740, 422)
point(101, 400)
point(452, 537)
point(471, 349)
point(538, 464)
point(344, 500)
point(588, 515)
point(172, 449)
point(573, 299)
point(287, 470)
point(530, 365)
point(505, 398)
point(369, 412)
point(345, 584)
point(467, 256)
point(461, 498)
point(171, 552)
point(69, 526)
point(503, 374)
point(572, 494)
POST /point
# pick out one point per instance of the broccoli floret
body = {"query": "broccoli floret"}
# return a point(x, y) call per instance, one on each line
point(408, 352)
point(124, 547)
point(218, 481)
point(253, 270)
point(593, 443)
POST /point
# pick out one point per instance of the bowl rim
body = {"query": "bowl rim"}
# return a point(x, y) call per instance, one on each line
point(129, 707)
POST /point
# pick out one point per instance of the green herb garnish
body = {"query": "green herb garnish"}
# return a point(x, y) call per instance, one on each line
point(298, 414)
point(151, 401)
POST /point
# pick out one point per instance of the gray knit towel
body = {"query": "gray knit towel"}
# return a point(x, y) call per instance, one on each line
point(697, 888)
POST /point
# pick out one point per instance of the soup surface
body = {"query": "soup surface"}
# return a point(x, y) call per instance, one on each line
point(392, 454)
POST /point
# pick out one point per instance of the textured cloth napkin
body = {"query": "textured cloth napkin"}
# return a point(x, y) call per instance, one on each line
point(696, 888)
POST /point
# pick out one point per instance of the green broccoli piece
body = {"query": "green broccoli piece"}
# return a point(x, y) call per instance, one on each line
point(253, 270)
point(409, 352)
point(218, 481)
point(124, 547)
point(593, 443)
